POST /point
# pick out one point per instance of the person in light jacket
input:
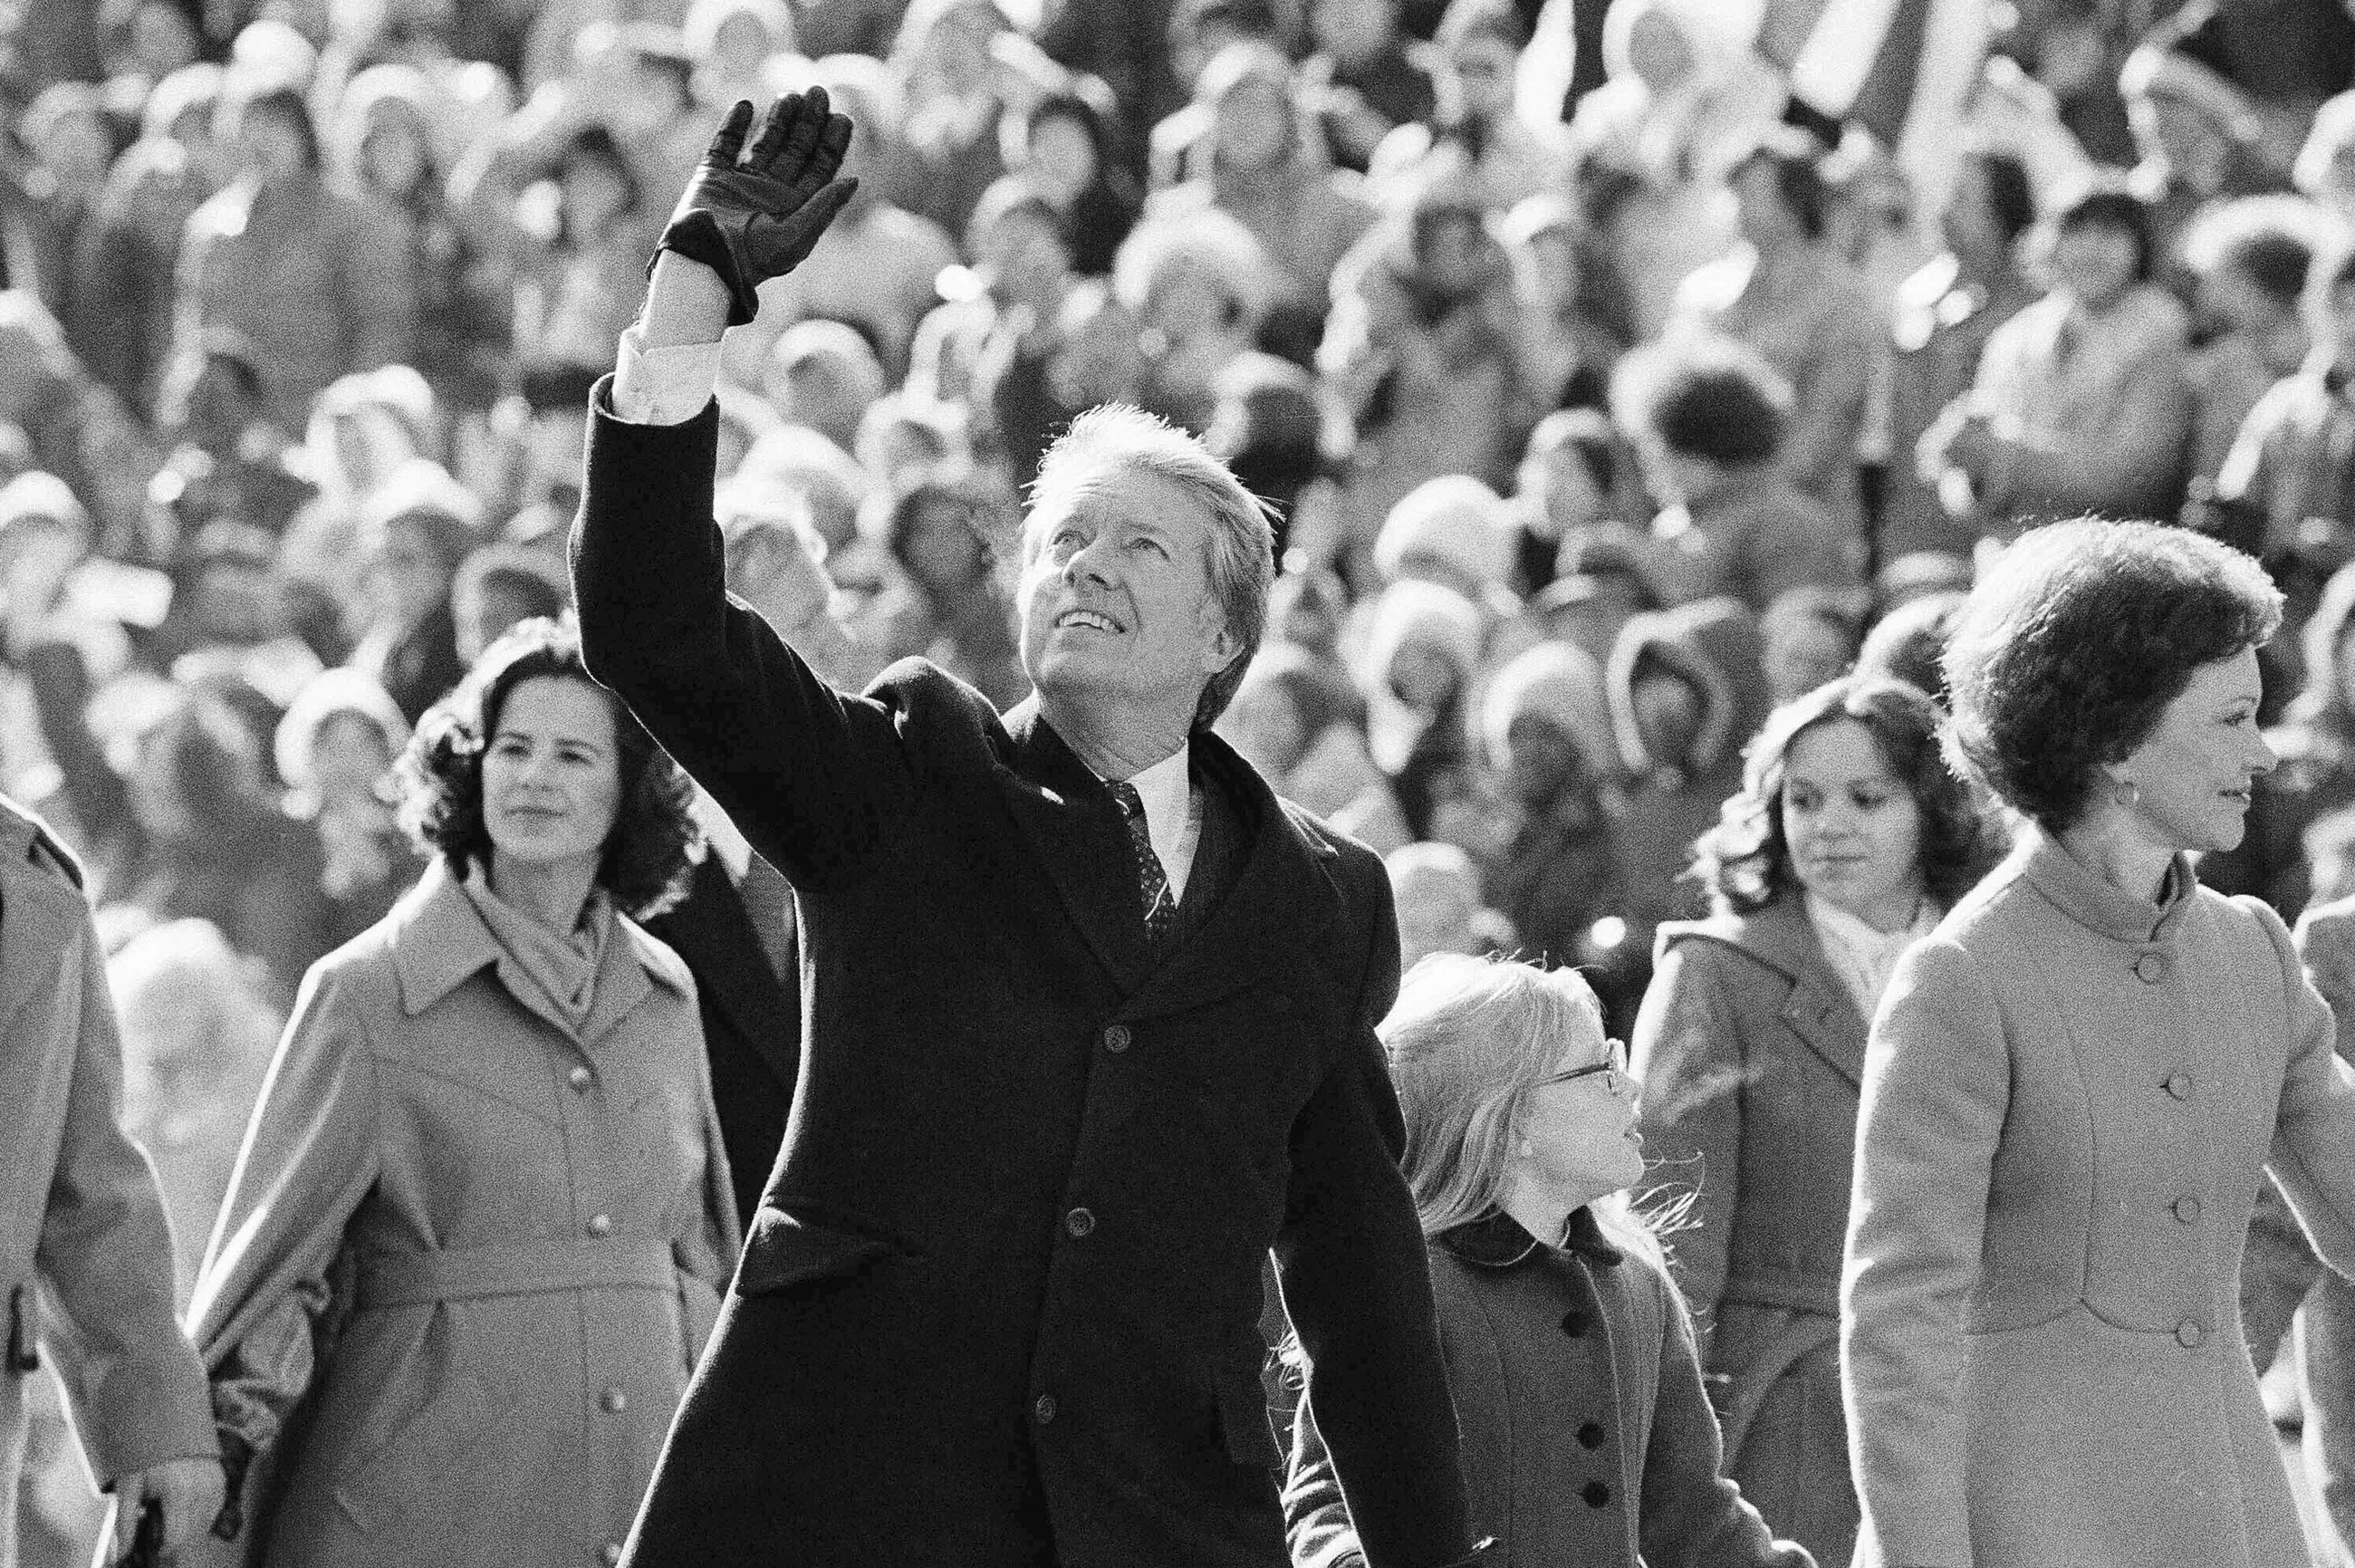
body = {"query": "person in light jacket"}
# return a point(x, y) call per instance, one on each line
point(476, 1234)
point(1847, 839)
point(1587, 1438)
point(2074, 1087)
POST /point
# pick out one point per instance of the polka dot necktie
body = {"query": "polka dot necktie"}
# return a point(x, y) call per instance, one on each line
point(1153, 892)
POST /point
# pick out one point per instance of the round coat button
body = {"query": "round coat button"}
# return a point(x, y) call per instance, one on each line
point(2186, 1209)
point(1116, 1038)
point(1079, 1221)
point(614, 1401)
point(600, 1224)
point(1595, 1493)
point(2180, 1085)
point(580, 1078)
point(2150, 968)
point(1575, 1324)
point(2189, 1333)
point(612, 1551)
point(1043, 1407)
point(1590, 1434)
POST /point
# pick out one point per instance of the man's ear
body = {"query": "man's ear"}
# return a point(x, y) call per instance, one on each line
point(1223, 646)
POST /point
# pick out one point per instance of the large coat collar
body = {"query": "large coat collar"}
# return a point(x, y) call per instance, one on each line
point(42, 907)
point(1498, 1241)
point(439, 941)
point(1817, 1007)
point(1283, 895)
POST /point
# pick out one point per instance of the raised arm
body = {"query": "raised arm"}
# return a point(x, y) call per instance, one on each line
point(813, 777)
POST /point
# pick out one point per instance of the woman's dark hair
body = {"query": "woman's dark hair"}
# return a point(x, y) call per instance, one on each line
point(1703, 396)
point(1909, 644)
point(2107, 207)
point(595, 143)
point(2069, 651)
point(654, 838)
point(2011, 194)
point(1744, 862)
point(217, 769)
point(1796, 161)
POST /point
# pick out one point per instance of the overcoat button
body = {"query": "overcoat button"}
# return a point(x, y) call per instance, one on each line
point(1079, 1221)
point(1043, 1407)
point(1595, 1493)
point(1116, 1038)
point(2189, 1334)
point(1574, 1324)
point(2150, 968)
point(612, 1551)
point(600, 1224)
point(615, 1401)
point(1590, 1434)
point(2180, 1085)
point(580, 1078)
point(2186, 1209)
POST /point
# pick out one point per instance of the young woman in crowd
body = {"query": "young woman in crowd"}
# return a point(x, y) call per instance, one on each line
point(1848, 840)
point(2075, 1089)
point(476, 1236)
point(1587, 1436)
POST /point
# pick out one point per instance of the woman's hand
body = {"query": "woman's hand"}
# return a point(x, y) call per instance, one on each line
point(187, 1492)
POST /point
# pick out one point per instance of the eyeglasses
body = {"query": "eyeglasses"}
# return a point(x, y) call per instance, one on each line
point(1613, 1069)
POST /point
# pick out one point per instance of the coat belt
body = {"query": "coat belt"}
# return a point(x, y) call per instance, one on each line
point(526, 1268)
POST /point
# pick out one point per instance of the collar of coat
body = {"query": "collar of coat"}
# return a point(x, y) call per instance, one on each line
point(2092, 901)
point(439, 940)
point(1497, 1241)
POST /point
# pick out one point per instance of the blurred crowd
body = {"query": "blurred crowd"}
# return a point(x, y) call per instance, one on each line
point(1611, 394)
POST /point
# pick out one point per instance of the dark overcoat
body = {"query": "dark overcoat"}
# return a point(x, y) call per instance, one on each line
point(1751, 1053)
point(1000, 1303)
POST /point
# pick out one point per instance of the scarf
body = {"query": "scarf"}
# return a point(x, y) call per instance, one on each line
point(564, 968)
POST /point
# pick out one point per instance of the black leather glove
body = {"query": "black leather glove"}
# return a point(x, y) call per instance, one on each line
point(752, 213)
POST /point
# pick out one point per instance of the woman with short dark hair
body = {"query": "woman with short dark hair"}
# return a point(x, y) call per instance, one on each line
point(2074, 1088)
point(1847, 839)
point(476, 1234)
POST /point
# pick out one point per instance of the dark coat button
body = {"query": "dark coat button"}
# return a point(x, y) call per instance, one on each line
point(1116, 1038)
point(1575, 1324)
point(2186, 1209)
point(2189, 1334)
point(1043, 1407)
point(1590, 1434)
point(1079, 1221)
point(2180, 1085)
point(1595, 1493)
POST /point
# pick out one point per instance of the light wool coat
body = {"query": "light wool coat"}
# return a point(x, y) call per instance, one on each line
point(509, 1235)
point(81, 1224)
point(2070, 1098)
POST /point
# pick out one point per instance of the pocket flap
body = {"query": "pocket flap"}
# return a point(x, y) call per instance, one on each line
point(785, 1250)
point(1243, 1413)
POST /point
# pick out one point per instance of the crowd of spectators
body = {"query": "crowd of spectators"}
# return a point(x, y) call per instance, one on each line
point(1609, 397)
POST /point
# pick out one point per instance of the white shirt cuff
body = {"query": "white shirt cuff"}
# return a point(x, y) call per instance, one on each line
point(662, 386)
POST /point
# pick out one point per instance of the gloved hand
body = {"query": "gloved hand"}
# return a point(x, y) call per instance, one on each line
point(752, 213)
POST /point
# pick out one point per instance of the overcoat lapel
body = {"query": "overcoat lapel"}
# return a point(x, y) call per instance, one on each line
point(730, 969)
point(1818, 1010)
point(1071, 826)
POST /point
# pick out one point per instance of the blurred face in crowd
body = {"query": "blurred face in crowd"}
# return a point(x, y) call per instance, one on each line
point(1479, 75)
point(393, 154)
point(162, 40)
point(235, 600)
point(1353, 30)
point(942, 550)
point(153, 788)
point(1853, 827)
point(407, 578)
point(2191, 778)
point(1115, 599)
point(1253, 129)
point(1023, 257)
point(770, 568)
point(1452, 250)
point(349, 757)
point(1802, 653)
point(1667, 716)
point(595, 196)
point(271, 146)
point(1063, 156)
point(1658, 53)
point(1968, 221)
point(76, 149)
point(551, 774)
point(1267, 727)
point(1542, 763)
point(1437, 906)
point(498, 602)
point(2094, 262)
point(1557, 491)
point(34, 565)
point(2197, 150)
point(1766, 219)
point(1423, 677)
point(1191, 303)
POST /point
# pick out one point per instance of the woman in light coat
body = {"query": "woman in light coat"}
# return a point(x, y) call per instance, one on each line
point(2073, 1089)
point(1847, 839)
point(477, 1231)
point(1587, 1438)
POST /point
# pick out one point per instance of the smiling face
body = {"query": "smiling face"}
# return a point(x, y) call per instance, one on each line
point(1853, 827)
point(1116, 598)
point(2191, 776)
point(551, 774)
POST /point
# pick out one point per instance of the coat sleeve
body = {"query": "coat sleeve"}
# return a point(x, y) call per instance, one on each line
point(308, 1161)
point(1688, 1055)
point(105, 1249)
point(706, 1254)
point(1356, 1285)
point(1937, 1080)
point(2313, 1154)
point(816, 779)
point(1316, 1520)
point(1692, 1514)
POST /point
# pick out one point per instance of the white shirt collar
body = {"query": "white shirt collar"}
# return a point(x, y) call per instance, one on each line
point(1167, 788)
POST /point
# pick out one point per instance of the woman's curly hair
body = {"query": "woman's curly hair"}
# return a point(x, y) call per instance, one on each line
point(654, 840)
point(1744, 862)
point(2069, 651)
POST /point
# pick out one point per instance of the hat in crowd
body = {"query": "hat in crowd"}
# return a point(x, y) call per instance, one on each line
point(1453, 521)
point(423, 492)
point(328, 695)
point(396, 389)
point(2154, 70)
point(35, 500)
point(1413, 612)
point(1920, 574)
point(1562, 685)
